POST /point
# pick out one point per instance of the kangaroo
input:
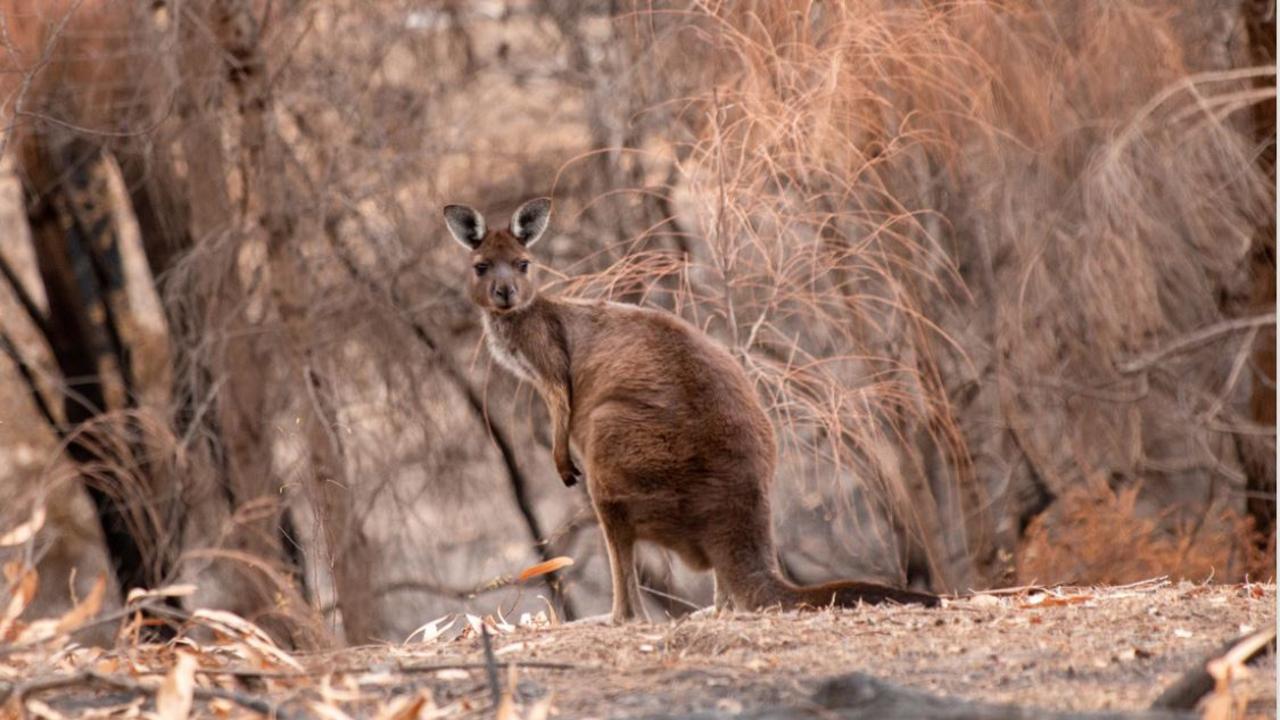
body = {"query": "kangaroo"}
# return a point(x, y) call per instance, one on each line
point(677, 449)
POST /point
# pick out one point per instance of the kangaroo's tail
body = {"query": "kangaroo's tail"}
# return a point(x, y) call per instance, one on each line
point(753, 580)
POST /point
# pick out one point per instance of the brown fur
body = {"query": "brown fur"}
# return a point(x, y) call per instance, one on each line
point(677, 448)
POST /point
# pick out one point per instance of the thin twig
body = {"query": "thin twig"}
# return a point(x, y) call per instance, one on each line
point(1199, 337)
point(54, 682)
point(105, 619)
point(1186, 692)
point(491, 666)
point(413, 669)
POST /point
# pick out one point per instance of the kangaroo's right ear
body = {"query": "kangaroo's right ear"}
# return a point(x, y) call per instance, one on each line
point(466, 225)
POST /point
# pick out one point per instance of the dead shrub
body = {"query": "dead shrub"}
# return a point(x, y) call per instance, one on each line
point(1098, 535)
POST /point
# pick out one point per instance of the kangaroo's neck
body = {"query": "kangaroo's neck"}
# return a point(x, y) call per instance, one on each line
point(530, 342)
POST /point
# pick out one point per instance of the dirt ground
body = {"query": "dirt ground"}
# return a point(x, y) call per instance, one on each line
point(1113, 648)
point(1065, 648)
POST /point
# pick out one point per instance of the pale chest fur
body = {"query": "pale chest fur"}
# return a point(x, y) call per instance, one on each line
point(499, 337)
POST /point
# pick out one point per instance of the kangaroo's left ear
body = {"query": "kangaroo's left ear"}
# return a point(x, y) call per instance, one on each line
point(530, 220)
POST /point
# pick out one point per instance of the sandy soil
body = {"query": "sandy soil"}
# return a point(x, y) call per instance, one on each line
point(1067, 648)
point(1103, 648)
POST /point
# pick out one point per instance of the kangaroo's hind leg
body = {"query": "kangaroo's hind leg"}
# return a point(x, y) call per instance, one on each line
point(723, 600)
point(620, 538)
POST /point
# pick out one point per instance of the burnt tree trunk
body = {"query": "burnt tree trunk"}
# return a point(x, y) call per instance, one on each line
point(70, 215)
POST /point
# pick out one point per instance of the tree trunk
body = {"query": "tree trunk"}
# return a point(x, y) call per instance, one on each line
point(1259, 455)
point(269, 204)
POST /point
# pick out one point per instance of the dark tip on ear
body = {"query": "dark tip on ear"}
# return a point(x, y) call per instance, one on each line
point(465, 224)
point(530, 220)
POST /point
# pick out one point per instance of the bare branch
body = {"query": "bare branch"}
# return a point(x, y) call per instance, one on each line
point(1195, 339)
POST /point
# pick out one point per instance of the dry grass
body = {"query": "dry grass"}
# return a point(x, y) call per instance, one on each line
point(924, 226)
point(1101, 534)
point(942, 237)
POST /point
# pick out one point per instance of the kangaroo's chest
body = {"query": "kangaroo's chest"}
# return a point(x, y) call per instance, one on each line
point(501, 340)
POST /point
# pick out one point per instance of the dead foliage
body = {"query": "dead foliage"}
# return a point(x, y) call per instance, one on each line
point(1027, 642)
point(1100, 534)
point(997, 268)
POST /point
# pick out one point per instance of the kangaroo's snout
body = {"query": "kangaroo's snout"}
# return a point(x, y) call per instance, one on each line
point(504, 296)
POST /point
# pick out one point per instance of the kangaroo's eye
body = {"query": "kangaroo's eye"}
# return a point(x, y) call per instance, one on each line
point(523, 266)
point(481, 269)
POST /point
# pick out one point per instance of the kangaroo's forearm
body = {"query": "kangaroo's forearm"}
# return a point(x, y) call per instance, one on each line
point(558, 407)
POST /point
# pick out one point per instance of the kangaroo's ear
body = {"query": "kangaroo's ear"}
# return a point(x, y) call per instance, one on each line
point(530, 220)
point(466, 225)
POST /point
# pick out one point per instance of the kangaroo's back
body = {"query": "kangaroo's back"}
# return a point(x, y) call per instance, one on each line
point(646, 379)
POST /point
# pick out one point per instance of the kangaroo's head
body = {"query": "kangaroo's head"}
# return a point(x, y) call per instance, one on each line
point(500, 273)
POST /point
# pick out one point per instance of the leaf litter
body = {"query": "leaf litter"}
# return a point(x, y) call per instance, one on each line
point(1077, 648)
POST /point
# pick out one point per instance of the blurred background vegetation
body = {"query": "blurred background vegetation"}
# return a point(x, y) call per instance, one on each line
point(1002, 271)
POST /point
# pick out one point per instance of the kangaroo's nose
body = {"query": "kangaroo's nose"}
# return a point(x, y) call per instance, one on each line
point(503, 292)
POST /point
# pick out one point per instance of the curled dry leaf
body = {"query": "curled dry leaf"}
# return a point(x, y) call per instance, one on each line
point(542, 568)
point(23, 581)
point(1047, 600)
point(86, 608)
point(532, 620)
point(139, 594)
point(174, 696)
point(474, 623)
point(26, 530)
point(433, 629)
point(41, 630)
point(553, 619)
point(252, 636)
point(230, 623)
point(500, 623)
point(38, 631)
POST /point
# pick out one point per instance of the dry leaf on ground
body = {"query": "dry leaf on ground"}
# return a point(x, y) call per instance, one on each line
point(252, 636)
point(433, 629)
point(173, 698)
point(86, 608)
point(26, 530)
point(22, 588)
point(542, 568)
